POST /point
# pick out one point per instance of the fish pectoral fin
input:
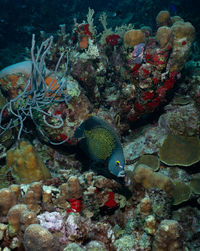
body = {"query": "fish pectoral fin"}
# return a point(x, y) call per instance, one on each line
point(100, 168)
point(83, 144)
point(79, 131)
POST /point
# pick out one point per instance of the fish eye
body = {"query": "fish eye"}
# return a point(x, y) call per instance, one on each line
point(117, 163)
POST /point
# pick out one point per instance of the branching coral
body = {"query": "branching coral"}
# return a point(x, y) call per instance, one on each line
point(37, 95)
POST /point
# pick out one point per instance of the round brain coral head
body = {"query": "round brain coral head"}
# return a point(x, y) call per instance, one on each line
point(38, 238)
point(163, 18)
point(133, 37)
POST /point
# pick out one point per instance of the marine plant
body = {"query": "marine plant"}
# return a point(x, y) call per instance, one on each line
point(38, 95)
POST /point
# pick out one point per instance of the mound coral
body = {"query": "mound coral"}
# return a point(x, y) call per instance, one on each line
point(38, 238)
point(163, 18)
point(8, 200)
point(25, 165)
point(169, 236)
point(149, 179)
point(184, 34)
point(164, 36)
point(133, 37)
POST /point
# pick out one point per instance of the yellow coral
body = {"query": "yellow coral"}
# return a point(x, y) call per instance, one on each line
point(164, 36)
point(149, 160)
point(148, 178)
point(181, 192)
point(195, 183)
point(183, 29)
point(163, 18)
point(183, 37)
point(133, 37)
point(180, 150)
point(26, 165)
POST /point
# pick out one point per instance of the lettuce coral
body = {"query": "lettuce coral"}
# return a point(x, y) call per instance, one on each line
point(180, 150)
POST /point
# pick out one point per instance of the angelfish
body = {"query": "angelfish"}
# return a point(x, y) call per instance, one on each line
point(101, 144)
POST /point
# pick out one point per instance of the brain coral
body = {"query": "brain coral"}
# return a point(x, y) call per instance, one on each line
point(25, 165)
point(38, 238)
point(163, 18)
point(180, 150)
point(133, 37)
point(164, 36)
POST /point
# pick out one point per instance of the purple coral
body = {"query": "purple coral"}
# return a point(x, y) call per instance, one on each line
point(52, 221)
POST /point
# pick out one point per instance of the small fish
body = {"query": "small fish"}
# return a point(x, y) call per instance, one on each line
point(173, 9)
point(100, 142)
point(117, 13)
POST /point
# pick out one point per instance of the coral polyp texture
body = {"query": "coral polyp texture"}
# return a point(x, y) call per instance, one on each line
point(99, 139)
point(25, 165)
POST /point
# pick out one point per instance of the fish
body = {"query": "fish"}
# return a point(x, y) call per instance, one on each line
point(173, 9)
point(101, 144)
point(117, 13)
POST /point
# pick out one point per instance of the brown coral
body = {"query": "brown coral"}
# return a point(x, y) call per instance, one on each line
point(133, 37)
point(180, 150)
point(7, 200)
point(14, 215)
point(181, 192)
point(26, 165)
point(149, 160)
point(33, 197)
point(183, 29)
point(169, 237)
point(149, 179)
point(164, 36)
point(163, 18)
point(184, 34)
point(195, 183)
point(38, 238)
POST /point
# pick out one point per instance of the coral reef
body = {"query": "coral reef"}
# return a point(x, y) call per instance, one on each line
point(50, 199)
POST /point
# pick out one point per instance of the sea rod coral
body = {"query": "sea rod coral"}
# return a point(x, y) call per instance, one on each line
point(37, 96)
